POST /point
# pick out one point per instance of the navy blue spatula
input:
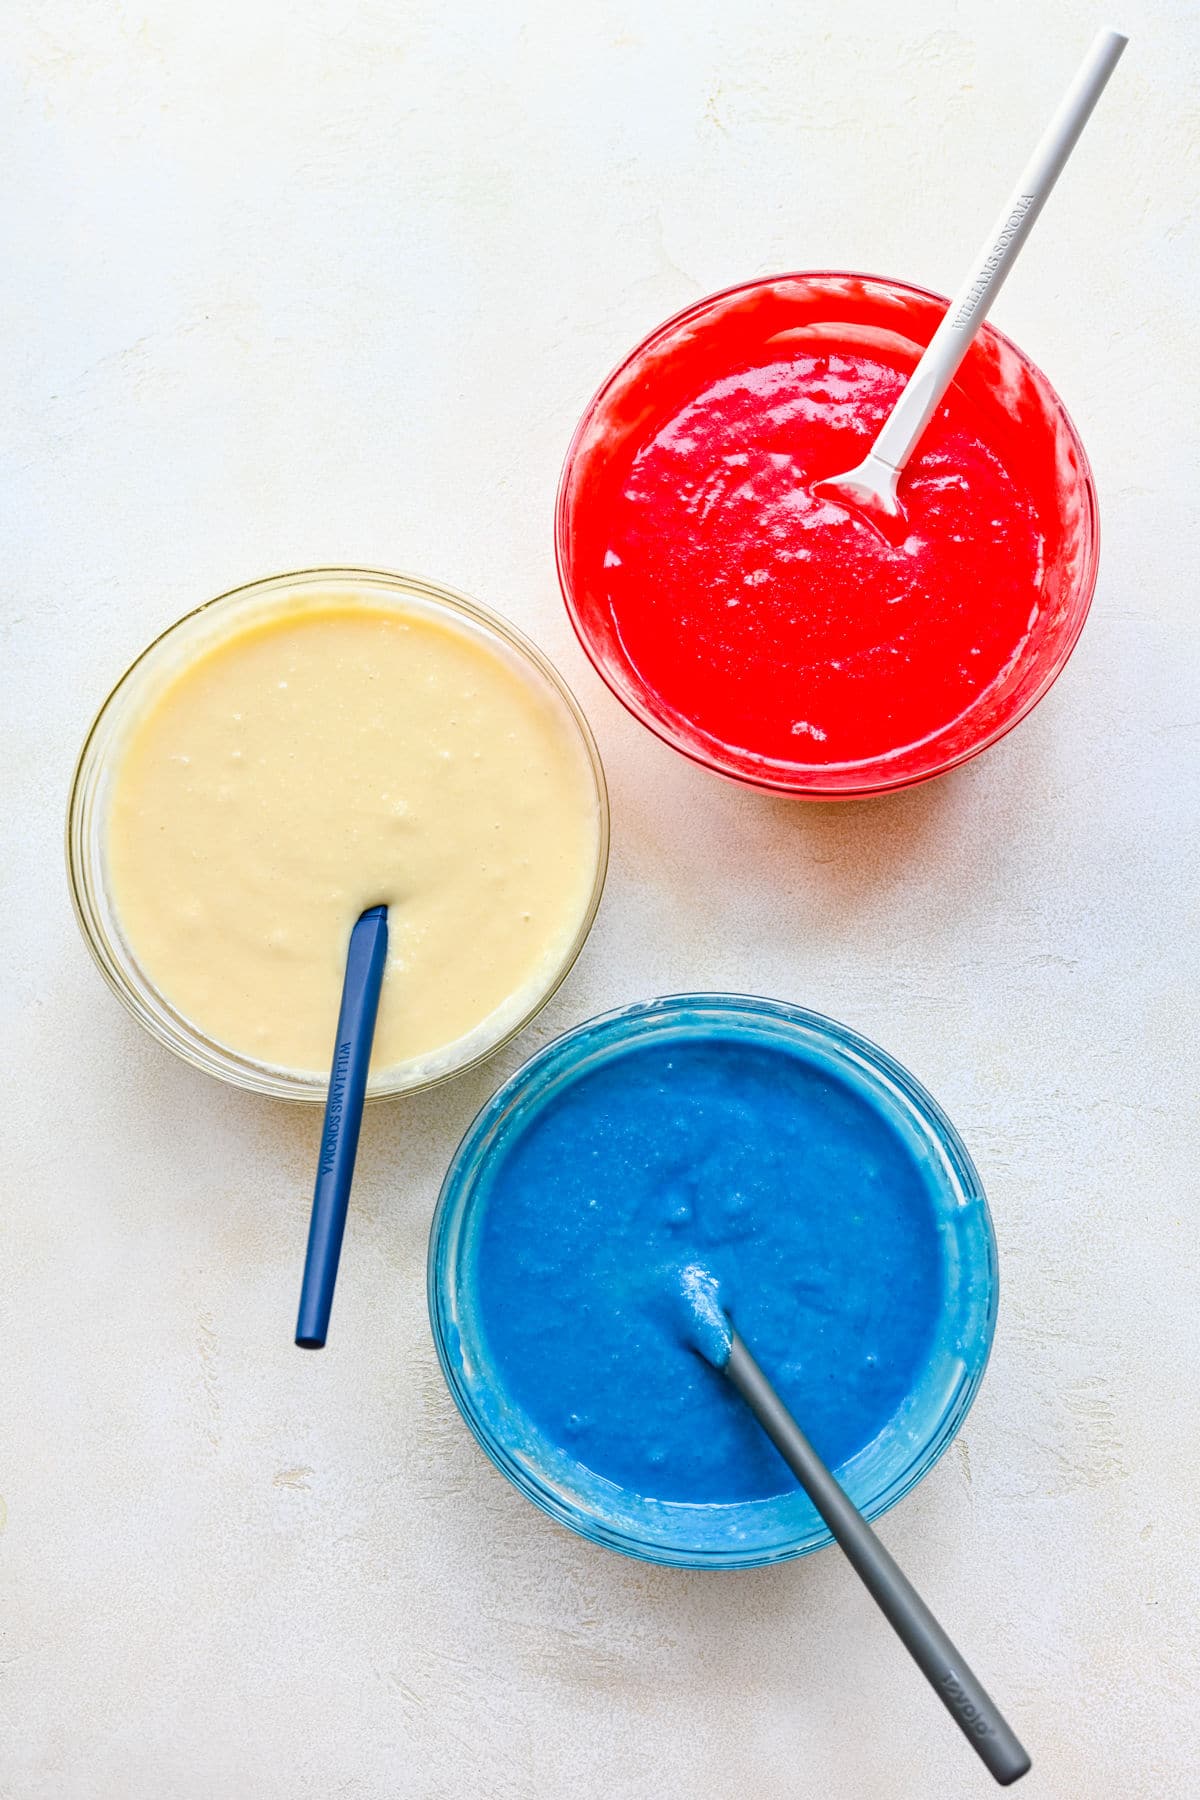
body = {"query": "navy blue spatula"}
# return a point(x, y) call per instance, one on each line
point(343, 1116)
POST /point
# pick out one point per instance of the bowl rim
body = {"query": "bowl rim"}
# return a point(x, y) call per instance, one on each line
point(458, 1190)
point(806, 783)
point(173, 1029)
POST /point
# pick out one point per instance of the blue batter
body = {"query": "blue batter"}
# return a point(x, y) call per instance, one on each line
point(679, 1181)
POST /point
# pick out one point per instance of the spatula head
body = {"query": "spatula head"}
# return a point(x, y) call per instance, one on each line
point(869, 493)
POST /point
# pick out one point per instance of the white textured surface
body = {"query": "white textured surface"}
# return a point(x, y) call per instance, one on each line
point(299, 282)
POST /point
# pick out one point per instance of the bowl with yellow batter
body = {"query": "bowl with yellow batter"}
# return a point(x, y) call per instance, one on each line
point(305, 747)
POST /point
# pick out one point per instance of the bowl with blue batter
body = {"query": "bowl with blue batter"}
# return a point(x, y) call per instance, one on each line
point(732, 1141)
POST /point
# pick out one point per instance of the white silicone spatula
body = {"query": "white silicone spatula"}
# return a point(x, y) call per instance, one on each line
point(869, 491)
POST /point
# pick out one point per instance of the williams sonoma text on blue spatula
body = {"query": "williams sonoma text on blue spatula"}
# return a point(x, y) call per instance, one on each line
point(343, 1116)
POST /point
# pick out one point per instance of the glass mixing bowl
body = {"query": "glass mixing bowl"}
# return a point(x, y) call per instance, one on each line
point(143, 680)
point(744, 1533)
point(755, 323)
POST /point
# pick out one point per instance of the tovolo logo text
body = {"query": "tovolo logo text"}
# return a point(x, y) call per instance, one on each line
point(965, 1709)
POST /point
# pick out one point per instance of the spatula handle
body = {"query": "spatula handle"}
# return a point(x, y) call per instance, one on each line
point(343, 1117)
point(960, 1691)
point(969, 307)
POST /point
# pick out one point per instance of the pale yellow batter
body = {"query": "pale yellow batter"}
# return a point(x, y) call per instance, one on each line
point(326, 758)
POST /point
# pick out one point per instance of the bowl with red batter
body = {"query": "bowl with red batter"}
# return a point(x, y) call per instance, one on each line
point(771, 635)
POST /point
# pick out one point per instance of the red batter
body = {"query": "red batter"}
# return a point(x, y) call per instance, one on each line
point(783, 626)
point(776, 636)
